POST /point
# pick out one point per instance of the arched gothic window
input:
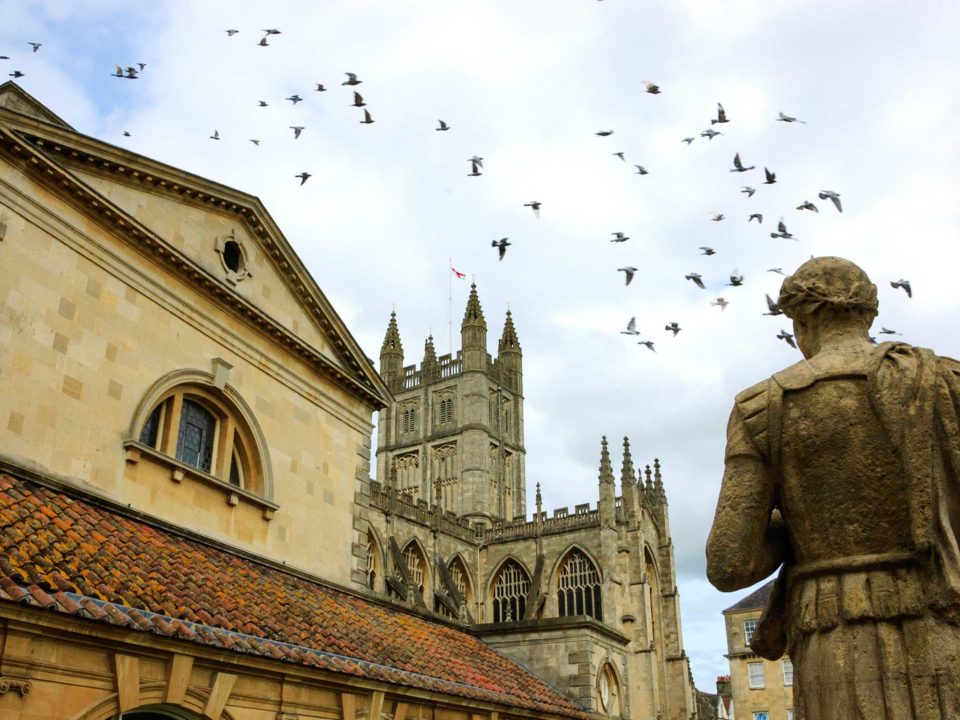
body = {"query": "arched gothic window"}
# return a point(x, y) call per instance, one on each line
point(510, 593)
point(373, 561)
point(416, 566)
point(578, 587)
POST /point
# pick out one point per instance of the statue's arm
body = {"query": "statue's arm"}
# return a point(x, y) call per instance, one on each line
point(748, 540)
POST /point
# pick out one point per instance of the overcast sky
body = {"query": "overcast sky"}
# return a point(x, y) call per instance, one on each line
point(526, 85)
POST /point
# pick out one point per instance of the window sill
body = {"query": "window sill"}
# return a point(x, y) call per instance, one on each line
point(179, 470)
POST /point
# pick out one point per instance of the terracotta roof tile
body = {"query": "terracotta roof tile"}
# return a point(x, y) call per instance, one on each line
point(112, 568)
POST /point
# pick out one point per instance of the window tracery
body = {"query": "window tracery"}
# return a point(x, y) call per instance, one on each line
point(510, 593)
point(578, 587)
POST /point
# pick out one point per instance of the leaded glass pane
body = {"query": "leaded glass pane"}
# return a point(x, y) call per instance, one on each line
point(195, 437)
point(148, 436)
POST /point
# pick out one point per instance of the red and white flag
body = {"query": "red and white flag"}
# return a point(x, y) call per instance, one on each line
point(460, 275)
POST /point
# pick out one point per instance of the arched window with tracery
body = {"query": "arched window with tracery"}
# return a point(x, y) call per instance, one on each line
point(373, 561)
point(578, 587)
point(416, 567)
point(461, 580)
point(510, 593)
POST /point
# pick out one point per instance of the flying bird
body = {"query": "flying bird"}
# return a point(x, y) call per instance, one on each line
point(261, 103)
point(773, 308)
point(478, 161)
point(628, 271)
point(476, 164)
point(501, 245)
point(720, 303)
point(747, 190)
point(294, 99)
point(721, 115)
point(216, 135)
point(272, 31)
point(35, 46)
point(320, 88)
point(771, 177)
point(789, 119)
point(16, 74)
point(888, 331)
point(443, 126)
point(697, 280)
point(604, 133)
point(231, 33)
point(787, 338)
point(131, 73)
point(619, 237)
point(303, 177)
point(641, 170)
point(535, 206)
point(118, 72)
point(619, 155)
point(782, 232)
point(647, 343)
point(631, 328)
point(778, 271)
point(672, 327)
point(255, 141)
point(297, 129)
point(358, 99)
point(736, 279)
point(704, 250)
point(834, 197)
point(688, 140)
point(717, 217)
point(126, 134)
point(351, 79)
point(367, 118)
point(807, 205)
point(263, 42)
point(652, 88)
point(758, 216)
point(710, 133)
point(903, 285)
point(738, 166)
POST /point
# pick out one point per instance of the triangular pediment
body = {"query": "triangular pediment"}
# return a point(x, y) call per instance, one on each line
point(186, 222)
point(15, 98)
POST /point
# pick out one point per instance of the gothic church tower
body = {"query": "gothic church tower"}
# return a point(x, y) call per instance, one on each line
point(453, 437)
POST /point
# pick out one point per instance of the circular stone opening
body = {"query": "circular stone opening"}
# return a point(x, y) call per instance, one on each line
point(232, 256)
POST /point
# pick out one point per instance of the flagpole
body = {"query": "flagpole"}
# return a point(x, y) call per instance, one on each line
point(450, 306)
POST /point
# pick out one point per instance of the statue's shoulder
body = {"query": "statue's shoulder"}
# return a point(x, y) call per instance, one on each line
point(949, 365)
point(799, 375)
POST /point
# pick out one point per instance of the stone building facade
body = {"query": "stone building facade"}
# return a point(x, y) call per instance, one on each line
point(760, 689)
point(585, 598)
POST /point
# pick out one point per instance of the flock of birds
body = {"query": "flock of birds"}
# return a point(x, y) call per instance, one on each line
point(736, 279)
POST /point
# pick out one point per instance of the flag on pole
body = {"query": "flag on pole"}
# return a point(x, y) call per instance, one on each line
point(460, 275)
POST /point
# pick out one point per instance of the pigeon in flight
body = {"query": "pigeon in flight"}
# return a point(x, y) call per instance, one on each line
point(604, 133)
point(688, 140)
point(787, 338)
point(888, 331)
point(758, 216)
point(652, 88)
point(126, 133)
point(628, 271)
point(476, 164)
point(697, 280)
point(535, 206)
point(272, 31)
point(736, 279)
point(478, 161)
point(262, 103)
point(501, 245)
point(720, 303)
point(704, 250)
point(789, 119)
point(231, 33)
point(672, 327)
point(782, 232)
point(216, 135)
point(351, 79)
point(255, 141)
point(778, 271)
point(619, 237)
point(807, 205)
point(721, 115)
point(131, 73)
point(358, 99)
point(118, 72)
point(771, 177)
point(263, 42)
point(35, 46)
point(717, 217)
point(16, 74)
point(631, 328)
point(367, 118)
point(747, 190)
point(738, 166)
point(297, 129)
point(834, 197)
point(647, 343)
point(773, 308)
point(903, 285)
point(443, 126)
point(294, 98)
point(710, 133)
point(620, 155)
point(641, 170)
point(321, 88)
point(303, 177)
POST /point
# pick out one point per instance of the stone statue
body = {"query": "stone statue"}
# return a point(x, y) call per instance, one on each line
point(844, 471)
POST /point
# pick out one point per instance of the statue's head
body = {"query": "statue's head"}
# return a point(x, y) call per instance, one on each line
point(829, 291)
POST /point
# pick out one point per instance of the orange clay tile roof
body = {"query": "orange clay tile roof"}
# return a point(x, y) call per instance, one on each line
point(73, 556)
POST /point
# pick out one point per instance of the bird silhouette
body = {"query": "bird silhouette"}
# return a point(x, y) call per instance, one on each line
point(652, 88)
point(261, 103)
point(778, 271)
point(216, 135)
point(673, 327)
point(790, 119)
point(476, 164)
point(647, 343)
point(231, 33)
point(720, 303)
point(738, 166)
point(35, 45)
point(263, 42)
point(501, 245)
point(758, 216)
point(888, 331)
point(619, 155)
point(255, 141)
point(351, 79)
point(16, 74)
point(304, 176)
point(736, 279)
point(443, 126)
point(903, 285)
point(126, 133)
point(358, 99)
point(688, 140)
point(295, 99)
point(641, 170)
point(773, 308)
point(704, 250)
point(710, 133)
point(721, 115)
point(717, 217)
point(696, 279)
point(320, 87)
point(631, 328)
point(272, 31)
point(367, 118)
point(832, 196)
point(535, 206)
point(787, 338)
point(782, 232)
point(604, 133)
point(748, 191)
point(619, 237)
point(628, 271)
point(807, 205)
point(771, 177)
point(297, 129)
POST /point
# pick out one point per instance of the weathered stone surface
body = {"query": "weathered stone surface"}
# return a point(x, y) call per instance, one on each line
point(843, 470)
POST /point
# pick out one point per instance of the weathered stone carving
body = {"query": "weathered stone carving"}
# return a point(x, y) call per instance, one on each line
point(845, 469)
point(20, 686)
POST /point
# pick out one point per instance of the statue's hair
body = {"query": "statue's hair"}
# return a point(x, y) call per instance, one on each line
point(829, 284)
